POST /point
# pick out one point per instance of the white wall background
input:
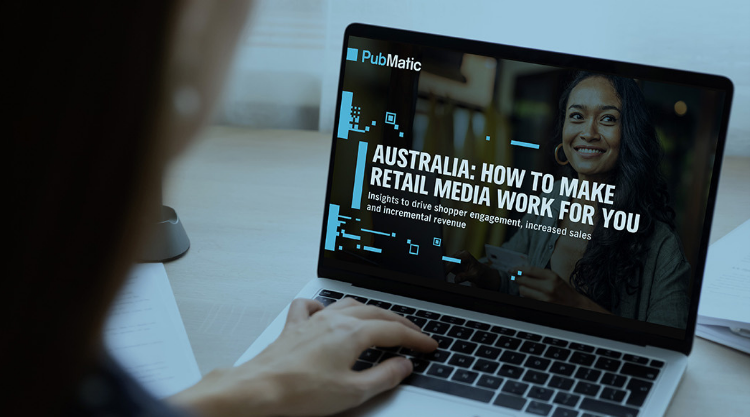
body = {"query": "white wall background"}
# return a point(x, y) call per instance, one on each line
point(286, 71)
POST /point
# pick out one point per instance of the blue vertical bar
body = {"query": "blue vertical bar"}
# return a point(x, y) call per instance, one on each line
point(359, 175)
point(345, 115)
point(331, 226)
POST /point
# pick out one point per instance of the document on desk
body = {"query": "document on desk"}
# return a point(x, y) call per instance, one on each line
point(725, 296)
point(145, 333)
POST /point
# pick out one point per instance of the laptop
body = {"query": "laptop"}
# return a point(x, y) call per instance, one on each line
point(544, 216)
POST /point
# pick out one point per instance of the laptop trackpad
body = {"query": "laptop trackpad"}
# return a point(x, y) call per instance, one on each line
point(410, 401)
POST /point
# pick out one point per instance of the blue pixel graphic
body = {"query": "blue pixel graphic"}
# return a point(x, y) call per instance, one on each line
point(449, 259)
point(359, 175)
point(524, 144)
point(436, 241)
point(513, 277)
point(349, 116)
point(351, 54)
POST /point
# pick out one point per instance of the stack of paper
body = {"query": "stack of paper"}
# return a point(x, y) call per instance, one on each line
point(724, 310)
point(145, 333)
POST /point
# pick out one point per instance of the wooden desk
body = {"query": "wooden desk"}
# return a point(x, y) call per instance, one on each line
point(252, 204)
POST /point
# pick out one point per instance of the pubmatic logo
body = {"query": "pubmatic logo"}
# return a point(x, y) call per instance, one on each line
point(389, 60)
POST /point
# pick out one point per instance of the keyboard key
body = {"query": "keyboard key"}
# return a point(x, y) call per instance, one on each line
point(535, 407)
point(639, 371)
point(512, 357)
point(461, 360)
point(389, 349)
point(562, 368)
point(613, 394)
point(378, 303)
point(638, 391)
point(484, 337)
point(584, 359)
point(443, 341)
point(508, 342)
point(559, 353)
point(420, 365)
point(587, 388)
point(609, 353)
point(510, 371)
point(529, 336)
point(325, 300)
point(510, 401)
point(370, 355)
point(427, 314)
point(403, 309)
point(607, 364)
point(453, 320)
point(464, 347)
point(361, 366)
point(362, 300)
point(536, 362)
point(460, 332)
point(637, 359)
point(503, 330)
point(419, 321)
point(581, 347)
point(484, 365)
point(561, 382)
point(588, 374)
point(448, 387)
point(657, 364)
point(488, 352)
point(410, 352)
point(477, 325)
point(515, 387)
point(536, 377)
point(564, 412)
point(614, 380)
point(555, 341)
point(442, 371)
point(606, 408)
point(541, 393)
point(388, 355)
point(436, 327)
point(533, 348)
point(437, 355)
point(465, 376)
point(489, 381)
point(331, 294)
point(564, 398)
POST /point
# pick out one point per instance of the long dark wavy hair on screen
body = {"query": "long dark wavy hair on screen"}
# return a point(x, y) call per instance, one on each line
point(613, 261)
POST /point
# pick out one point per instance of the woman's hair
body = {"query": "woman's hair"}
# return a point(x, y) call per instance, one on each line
point(613, 260)
point(85, 86)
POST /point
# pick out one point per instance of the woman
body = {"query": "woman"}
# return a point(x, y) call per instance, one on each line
point(606, 136)
point(107, 94)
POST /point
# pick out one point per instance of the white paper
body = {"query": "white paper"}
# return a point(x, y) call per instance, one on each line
point(725, 296)
point(145, 333)
point(722, 334)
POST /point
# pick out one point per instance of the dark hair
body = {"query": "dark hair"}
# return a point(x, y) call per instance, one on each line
point(85, 82)
point(613, 260)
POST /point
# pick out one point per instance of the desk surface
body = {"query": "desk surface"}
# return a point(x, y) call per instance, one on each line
point(244, 195)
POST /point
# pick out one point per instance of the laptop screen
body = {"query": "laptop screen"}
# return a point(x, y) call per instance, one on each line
point(568, 185)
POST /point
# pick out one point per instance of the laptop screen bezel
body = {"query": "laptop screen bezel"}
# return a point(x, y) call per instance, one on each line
point(608, 329)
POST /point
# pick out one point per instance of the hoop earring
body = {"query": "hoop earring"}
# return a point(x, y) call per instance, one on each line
point(557, 149)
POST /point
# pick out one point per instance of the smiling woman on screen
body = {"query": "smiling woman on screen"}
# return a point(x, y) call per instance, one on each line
point(605, 136)
point(103, 97)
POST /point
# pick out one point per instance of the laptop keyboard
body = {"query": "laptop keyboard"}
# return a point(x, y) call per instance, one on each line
point(516, 369)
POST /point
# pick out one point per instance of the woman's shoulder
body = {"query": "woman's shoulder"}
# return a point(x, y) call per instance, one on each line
point(665, 242)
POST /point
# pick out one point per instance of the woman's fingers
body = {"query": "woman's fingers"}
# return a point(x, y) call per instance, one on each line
point(301, 309)
point(391, 333)
point(384, 376)
point(356, 309)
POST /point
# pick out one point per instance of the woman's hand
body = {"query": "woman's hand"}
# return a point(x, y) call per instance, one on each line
point(545, 285)
point(307, 370)
point(471, 270)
